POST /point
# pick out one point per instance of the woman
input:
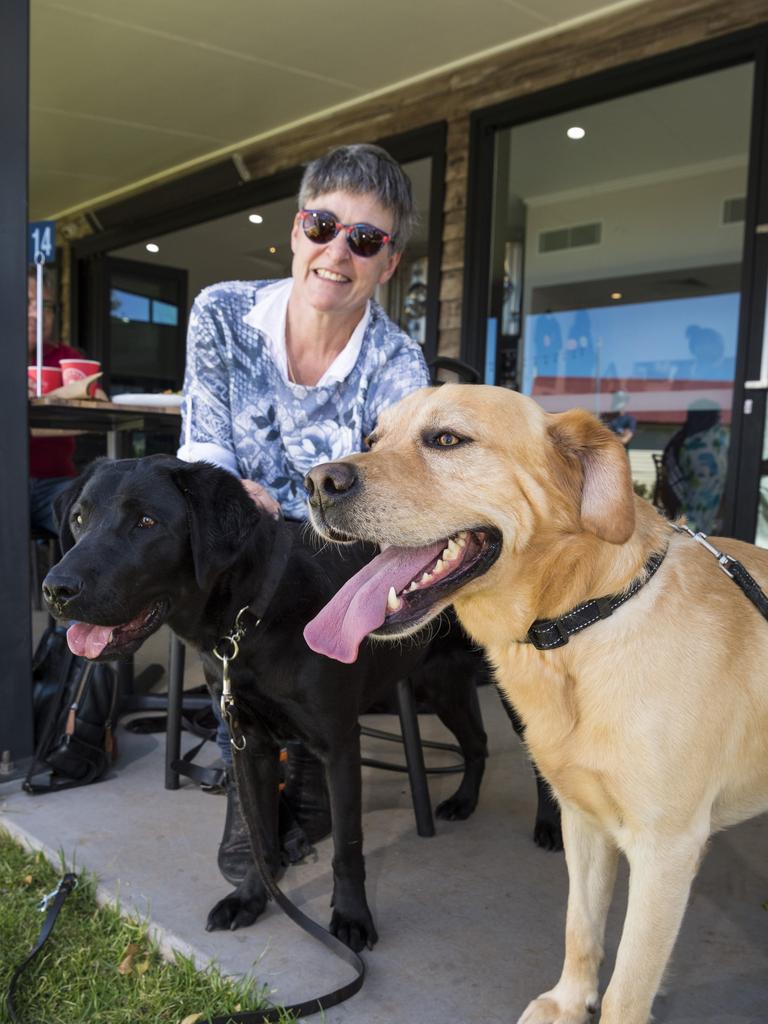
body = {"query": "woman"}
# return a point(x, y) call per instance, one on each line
point(284, 374)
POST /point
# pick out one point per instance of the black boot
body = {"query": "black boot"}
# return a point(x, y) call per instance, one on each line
point(306, 793)
point(235, 857)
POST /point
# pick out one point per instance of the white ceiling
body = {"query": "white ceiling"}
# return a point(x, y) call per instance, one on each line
point(123, 92)
point(692, 126)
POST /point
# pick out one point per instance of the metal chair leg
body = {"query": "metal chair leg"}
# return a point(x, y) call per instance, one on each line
point(414, 758)
point(175, 699)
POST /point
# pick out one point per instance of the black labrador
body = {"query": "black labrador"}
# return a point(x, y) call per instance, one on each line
point(156, 540)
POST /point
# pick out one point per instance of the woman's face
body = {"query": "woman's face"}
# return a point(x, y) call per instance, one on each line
point(329, 277)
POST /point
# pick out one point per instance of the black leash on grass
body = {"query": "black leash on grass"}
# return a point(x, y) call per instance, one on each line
point(52, 903)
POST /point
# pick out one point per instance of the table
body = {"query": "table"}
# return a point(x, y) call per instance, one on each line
point(49, 416)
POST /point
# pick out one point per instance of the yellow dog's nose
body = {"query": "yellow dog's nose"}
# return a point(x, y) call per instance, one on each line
point(331, 480)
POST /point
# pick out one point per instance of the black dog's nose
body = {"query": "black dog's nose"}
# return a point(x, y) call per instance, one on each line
point(330, 480)
point(59, 590)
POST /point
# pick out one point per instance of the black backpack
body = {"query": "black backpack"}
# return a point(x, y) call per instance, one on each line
point(74, 702)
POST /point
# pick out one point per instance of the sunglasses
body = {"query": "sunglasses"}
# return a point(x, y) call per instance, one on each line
point(321, 227)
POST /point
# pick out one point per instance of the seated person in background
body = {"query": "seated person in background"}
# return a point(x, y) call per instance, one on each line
point(620, 421)
point(282, 375)
point(51, 459)
point(694, 466)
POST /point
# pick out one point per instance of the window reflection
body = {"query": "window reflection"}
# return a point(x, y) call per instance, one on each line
point(615, 276)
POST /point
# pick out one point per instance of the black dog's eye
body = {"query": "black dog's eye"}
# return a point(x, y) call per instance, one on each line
point(445, 439)
point(146, 522)
point(77, 519)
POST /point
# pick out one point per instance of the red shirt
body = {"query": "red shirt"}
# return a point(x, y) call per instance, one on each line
point(53, 456)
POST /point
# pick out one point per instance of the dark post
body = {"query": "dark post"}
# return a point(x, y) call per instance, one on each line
point(15, 625)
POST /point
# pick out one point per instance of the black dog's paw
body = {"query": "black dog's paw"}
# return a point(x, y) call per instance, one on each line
point(235, 911)
point(547, 834)
point(356, 931)
point(456, 808)
point(294, 846)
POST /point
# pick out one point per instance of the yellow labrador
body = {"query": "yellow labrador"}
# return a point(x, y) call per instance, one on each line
point(650, 722)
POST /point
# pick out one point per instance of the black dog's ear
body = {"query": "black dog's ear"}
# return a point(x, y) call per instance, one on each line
point(65, 499)
point(221, 518)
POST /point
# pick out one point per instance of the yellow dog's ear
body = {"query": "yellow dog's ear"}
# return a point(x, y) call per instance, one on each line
point(607, 497)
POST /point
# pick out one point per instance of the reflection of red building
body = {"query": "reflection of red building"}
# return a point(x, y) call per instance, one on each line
point(650, 401)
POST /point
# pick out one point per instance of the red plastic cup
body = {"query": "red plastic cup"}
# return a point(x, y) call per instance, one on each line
point(79, 369)
point(50, 378)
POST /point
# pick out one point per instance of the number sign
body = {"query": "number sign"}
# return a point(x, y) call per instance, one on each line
point(42, 240)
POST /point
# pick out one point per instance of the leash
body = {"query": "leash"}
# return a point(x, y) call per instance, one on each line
point(732, 568)
point(251, 813)
point(278, 561)
point(252, 818)
point(52, 903)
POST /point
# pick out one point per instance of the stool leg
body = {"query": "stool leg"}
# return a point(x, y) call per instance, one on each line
point(175, 698)
point(414, 758)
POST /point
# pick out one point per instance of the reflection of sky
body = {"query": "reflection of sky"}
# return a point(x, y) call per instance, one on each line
point(127, 306)
point(139, 309)
point(164, 313)
point(646, 340)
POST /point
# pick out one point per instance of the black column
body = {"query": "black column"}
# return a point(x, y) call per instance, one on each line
point(15, 625)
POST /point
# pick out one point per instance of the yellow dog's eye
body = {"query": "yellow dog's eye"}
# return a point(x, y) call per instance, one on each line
point(446, 440)
point(369, 442)
point(146, 522)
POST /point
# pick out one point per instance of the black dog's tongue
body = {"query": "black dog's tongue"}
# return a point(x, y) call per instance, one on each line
point(361, 604)
point(88, 641)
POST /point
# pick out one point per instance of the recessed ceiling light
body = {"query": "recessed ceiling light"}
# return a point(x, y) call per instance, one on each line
point(616, 295)
point(575, 132)
point(272, 249)
point(255, 218)
point(151, 247)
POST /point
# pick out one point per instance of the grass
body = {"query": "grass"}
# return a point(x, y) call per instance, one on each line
point(98, 965)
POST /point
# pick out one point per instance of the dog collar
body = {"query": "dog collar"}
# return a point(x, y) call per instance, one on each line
point(546, 634)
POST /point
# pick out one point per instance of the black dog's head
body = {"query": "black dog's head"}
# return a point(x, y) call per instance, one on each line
point(141, 538)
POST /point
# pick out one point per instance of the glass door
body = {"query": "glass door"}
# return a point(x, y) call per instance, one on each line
point(616, 276)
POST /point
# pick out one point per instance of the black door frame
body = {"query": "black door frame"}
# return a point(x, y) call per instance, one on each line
point(16, 729)
point(218, 191)
point(741, 491)
point(745, 465)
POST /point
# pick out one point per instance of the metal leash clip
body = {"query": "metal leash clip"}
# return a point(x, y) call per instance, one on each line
point(723, 560)
point(68, 883)
point(227, 704)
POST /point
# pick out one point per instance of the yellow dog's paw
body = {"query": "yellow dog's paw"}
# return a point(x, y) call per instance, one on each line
point(549, 1010)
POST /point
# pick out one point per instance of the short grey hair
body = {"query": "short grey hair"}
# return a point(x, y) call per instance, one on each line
point(364, 169)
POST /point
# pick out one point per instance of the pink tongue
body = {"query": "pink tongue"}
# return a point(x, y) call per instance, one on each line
point(86, 640)
point(361, 604)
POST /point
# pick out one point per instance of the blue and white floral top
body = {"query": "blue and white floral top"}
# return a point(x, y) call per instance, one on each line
point(241, 412)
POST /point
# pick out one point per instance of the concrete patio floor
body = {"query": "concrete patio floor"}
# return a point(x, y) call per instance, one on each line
point(470, 921)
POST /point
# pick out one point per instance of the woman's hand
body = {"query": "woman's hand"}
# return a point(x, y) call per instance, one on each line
point(260, 496)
